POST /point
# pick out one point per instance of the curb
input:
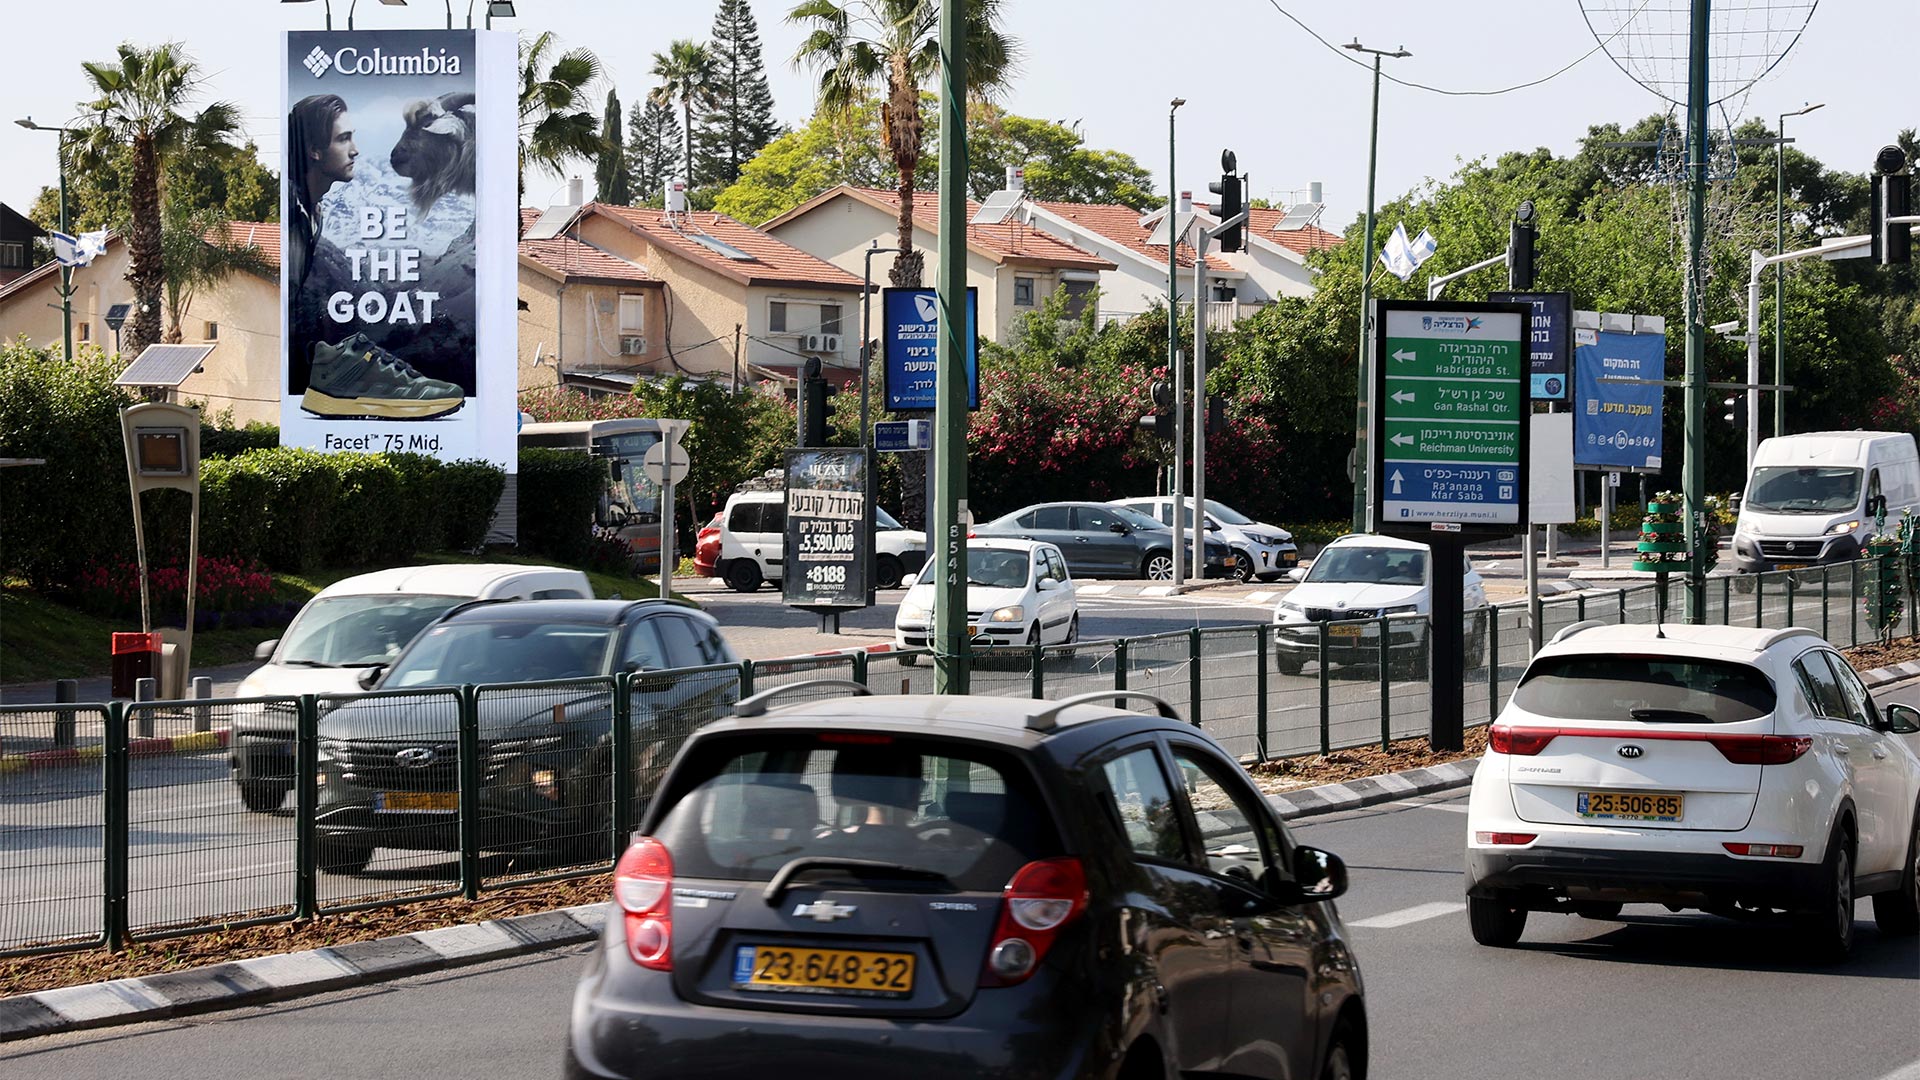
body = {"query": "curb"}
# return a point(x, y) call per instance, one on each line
point(1880, 677)
point(276, 978)
point(90, 755)
point(1370, 790)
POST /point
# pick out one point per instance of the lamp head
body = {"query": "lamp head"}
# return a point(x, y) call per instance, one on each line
point(1524, 212)
point(1890, 160)
point(1179, 101)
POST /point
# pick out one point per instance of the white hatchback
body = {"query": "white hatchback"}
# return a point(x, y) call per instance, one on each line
point(1018, 593)
point(1738, 771)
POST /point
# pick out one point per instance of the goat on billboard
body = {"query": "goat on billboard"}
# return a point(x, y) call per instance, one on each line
point(398, 264)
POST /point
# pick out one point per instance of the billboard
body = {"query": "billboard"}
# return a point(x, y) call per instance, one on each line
point(826, 565)
point(1616, 424)
point(1549, 348)
point(397, 275)
point(909, 340)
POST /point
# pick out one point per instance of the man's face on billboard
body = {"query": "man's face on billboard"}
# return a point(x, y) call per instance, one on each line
point(335, 159)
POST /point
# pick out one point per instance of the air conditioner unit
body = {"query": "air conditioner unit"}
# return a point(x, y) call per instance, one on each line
point(830, 343)
point(812, 342)
point(633, 345)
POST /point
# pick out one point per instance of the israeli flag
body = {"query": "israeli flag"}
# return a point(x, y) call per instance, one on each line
point(77, 250)
point(1402, 256)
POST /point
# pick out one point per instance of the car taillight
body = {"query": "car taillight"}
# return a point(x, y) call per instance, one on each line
point(1043, 898)
point(1519, 741)
point(1761, 749)
point(1771, 851)
point(1511, 839)
point(643, 887)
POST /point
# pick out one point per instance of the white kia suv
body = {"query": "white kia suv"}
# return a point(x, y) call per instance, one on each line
point(1738, 771)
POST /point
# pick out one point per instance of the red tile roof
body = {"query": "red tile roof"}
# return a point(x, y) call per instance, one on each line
point(264, 235)
point(576, 260)
point(1311, 238)
point(769, 261)
point(1009, 241)
point(1121, 224)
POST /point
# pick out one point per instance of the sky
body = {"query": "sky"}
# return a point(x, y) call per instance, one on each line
point(1294, 110)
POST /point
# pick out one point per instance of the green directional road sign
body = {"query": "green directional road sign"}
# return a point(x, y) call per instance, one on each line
point(1451, 430)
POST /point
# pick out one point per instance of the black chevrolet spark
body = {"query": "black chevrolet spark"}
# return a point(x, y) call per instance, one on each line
point(965, 887)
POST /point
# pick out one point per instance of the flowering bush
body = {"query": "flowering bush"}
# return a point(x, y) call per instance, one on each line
point(224, 586)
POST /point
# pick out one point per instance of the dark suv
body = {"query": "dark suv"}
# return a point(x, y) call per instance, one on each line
point(960, 887)
point(389, 762)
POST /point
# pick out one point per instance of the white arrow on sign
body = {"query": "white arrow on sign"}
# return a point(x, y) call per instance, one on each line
point(1405, 354)
point(1396, 478)
point(1403, 396)
point(1402, 440)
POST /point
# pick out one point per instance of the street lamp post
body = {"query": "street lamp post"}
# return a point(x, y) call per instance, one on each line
point(1780, 272)
point(66, 272)
point(866, 378)
point(1174, 366)
point(1361, 456)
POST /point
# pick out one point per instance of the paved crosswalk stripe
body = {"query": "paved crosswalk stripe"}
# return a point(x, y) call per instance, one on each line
point(1909, 1071)
point(1414, 914)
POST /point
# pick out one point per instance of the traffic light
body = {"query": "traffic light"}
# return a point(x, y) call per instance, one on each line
point(1520, 248)
point(1229, 204)
point(1216, 415)
point(819, 410)
point(1892, 197)
point(1160, 421)
point(1730, 410)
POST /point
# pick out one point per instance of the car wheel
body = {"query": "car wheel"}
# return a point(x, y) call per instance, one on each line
point(1243, 567)
point(908, 659)
point(1033, 635)
point(1494, 921)
point(1898, 913)
point(743, 575)
point(1827, 928)
point(1288, 663)
point(1158, 566)
point(1346, 1055)
point(337, 857)
point(887, 572)
point(1597, 909)
point(264, 796)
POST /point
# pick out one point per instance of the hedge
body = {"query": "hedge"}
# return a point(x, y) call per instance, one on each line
point(558, 491)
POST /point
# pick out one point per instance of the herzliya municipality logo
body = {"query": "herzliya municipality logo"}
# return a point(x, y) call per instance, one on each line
point(352, 61)
point(318, 61)
point(928, 308)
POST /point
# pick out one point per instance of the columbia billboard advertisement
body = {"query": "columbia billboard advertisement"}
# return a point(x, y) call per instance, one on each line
point(397, 275)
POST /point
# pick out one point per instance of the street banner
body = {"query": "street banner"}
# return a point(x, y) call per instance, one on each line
point(1616, 425)
point(1550, 339)
point(826, 564)
point(909, 340)
point(398, 268)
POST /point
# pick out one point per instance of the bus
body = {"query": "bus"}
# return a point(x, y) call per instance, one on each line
point(630, 504)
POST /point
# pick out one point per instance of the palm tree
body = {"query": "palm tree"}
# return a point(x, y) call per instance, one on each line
point(138, 102)
point(686, 74)
point(200, 252)
point(557, 125)
point(859, 46)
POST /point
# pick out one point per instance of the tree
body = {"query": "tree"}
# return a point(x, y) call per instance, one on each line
point(686, 74)
point(830, 149)
point(858, 46)
point(222, 177)
point(742, 118)
point(198, 253)
point(1058, 163)
point(555, 127)
point(652, 149)
point(137, 109)
point(611, 177)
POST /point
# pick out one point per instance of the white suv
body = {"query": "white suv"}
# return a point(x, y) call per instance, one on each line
point(1739, 771)
point(1265, 551)
point(1361, 576)
point(753, 543)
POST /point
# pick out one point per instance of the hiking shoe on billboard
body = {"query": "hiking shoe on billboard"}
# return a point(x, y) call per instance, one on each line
point(357, 379)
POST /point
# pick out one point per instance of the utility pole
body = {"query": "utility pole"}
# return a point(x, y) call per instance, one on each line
point(866, 378)
point(1365, 378)
point(66, 272)
point(1694, 473)
point(947, 543)
point(1780, 273)
point(1174, 366)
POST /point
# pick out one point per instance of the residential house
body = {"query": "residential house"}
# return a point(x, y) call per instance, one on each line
point(588, 319)
point(1015, 266)
point(17, 234)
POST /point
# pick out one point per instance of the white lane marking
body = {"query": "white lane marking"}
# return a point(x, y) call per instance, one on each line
point(1414, 914)
point(238, 871)
point(1909, 1071)
point(1450, 807)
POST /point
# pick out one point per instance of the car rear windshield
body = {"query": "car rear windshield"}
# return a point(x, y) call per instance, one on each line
point(1654, 689)
point(969, 814)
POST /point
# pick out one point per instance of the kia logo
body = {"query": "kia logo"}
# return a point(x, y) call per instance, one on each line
point(416, 757)
point(1630, 751)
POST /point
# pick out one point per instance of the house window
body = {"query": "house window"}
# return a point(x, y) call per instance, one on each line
point(1079, 295)
point(777, 317)
point(1223, 292)
point(829, 318)
point(212, 332)
point(1023, 292)
point(633, 314)
point(86, 331)
point(13, 255)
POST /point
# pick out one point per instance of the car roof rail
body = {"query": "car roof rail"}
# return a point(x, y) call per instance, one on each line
point(757, 704)
point(469, 605)
point(1576, 628)
point(1779, 636)
point(1049, 718)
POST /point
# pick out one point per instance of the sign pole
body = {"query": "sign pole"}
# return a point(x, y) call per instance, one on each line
point(950, 413)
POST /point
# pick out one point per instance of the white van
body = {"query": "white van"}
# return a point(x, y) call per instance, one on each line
point(1811, 498)
point(753, 542)
point(350, 626)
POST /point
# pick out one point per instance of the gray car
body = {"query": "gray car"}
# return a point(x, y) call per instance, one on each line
point(1105, 541)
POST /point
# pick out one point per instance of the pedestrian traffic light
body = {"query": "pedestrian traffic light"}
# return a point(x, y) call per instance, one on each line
point(1891, 197)
point(1730, 409)
point(1216, 415)
point(1230, 203)
point(815, 409)
point(1520, 248)
point(1161, 422)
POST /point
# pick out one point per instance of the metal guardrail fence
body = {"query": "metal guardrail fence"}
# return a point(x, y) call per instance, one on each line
point(124, 822)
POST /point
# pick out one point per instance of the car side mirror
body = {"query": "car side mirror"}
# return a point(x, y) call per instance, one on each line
point(1119, 527)
point(1903, 719)
point(370, 675)
point(1877, 506)
point(1319, 875)
point(1296, 574)
point(1046, 584)
point(1213, 526)
point(264, 650)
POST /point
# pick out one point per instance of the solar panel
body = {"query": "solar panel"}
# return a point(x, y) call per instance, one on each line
point(164, 365)
point(552, 222)
point(117, 314)
point(1299, 217)
point(1184, 224)
point(714, 243)
point(998, 207)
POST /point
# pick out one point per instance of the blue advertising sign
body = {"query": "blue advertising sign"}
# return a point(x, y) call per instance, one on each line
point(909, 339)
point(1616, 425)
point(1549, 348)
